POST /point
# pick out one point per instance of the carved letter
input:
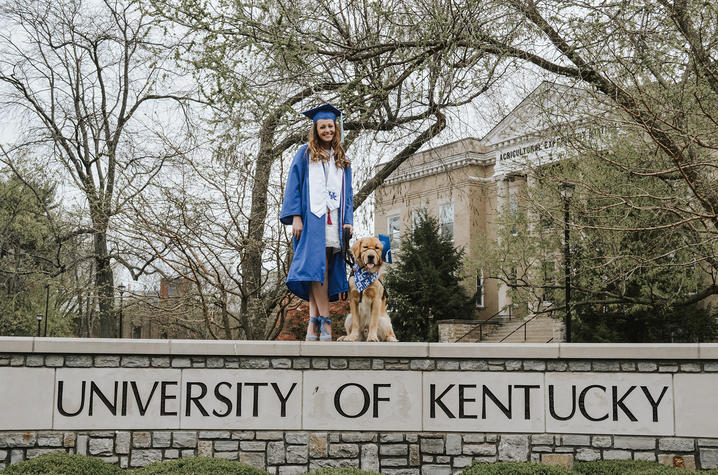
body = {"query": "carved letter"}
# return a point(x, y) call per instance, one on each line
point(94, 389)
point(654, 404)
point(437, 400)
point(222, 398)
point(195, 399)
point(462, 400)
point(138, 399)
point(619, 402)
point(60, 385)
point(164, 397)
point(552, 408)
point(505, 409)
point(582, 403)
point(283, 399)
point(338, 405)
point(527, 397)
point(377, 398)
point(255, 410)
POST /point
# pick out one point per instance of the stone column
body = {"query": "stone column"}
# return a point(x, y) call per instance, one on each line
point(533, 222)
point(502, 206)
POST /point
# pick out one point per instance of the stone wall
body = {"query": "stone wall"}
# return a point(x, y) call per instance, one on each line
point(390, 453)
point(286, 452)
point(452, 330)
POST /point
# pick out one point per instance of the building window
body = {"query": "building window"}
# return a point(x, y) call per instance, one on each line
point(480, 289)
point(137, 332)
point(393, 229)
point(446, 221)
point(416, 216)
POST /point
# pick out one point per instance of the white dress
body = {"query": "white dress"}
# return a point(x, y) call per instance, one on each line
point(332, 231)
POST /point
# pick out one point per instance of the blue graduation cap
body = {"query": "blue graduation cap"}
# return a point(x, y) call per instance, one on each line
point(327, 111)
point(386, 248)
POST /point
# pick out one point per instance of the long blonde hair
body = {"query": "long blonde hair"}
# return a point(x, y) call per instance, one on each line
point(317, 152)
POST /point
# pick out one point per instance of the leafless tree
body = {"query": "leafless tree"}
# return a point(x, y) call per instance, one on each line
point(260, 65)
point(92, 85)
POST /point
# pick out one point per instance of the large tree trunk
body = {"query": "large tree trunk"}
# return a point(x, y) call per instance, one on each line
point(104, 280)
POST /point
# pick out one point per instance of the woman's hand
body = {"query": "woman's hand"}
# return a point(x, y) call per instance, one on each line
point(297, 227)
point(350, 228)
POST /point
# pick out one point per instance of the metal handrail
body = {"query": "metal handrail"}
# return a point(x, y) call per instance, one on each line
point(481, 327)
point(523, 325)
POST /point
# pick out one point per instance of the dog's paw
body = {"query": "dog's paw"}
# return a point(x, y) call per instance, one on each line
point(392, 339)
point(372, 338)
point(350, 337)
point(342, 338)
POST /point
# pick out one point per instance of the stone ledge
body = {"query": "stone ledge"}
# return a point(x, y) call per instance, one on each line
point(17, 344)
point(494, 350)
point(548, 351)
point(98, 346)
point(619, 351)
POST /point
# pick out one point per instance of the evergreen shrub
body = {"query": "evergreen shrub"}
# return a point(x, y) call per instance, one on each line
point(629, 467)
point(200, 466)
point(63, 464)
point(514, 468)
point(424, 284)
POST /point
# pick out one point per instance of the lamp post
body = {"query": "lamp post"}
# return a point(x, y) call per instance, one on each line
point(47, 305)
point(39, 320)
point(566, 191)
point(121, 288)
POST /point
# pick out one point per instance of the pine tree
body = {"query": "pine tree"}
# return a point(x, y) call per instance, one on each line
point(423, 285)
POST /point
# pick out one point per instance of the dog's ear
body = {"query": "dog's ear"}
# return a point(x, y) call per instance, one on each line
point(380, 245)
point(356, 250)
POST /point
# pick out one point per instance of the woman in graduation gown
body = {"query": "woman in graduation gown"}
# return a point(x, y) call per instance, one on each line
point(318, 204)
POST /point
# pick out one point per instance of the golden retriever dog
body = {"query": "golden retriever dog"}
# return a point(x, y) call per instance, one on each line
point(368, 320)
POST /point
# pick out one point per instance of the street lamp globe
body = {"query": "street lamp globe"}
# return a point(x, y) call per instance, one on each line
point(566, 190)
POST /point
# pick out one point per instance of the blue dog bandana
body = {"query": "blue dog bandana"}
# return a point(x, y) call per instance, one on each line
point(362, 278)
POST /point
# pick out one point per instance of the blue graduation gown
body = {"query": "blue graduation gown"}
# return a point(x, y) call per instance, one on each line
point(309, 259)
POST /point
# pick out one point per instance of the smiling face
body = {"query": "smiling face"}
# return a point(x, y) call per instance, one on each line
point(367, 253)
point(325, 130)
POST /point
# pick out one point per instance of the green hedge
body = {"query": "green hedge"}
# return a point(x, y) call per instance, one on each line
point(71, 464)
point(514, 468)
point(199, 466)
point(63, 464)
point(621, 467)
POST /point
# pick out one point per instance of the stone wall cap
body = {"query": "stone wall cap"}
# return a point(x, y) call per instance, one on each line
point(494, 350)
point(16, 344)
point(708, 351)
point(365, 349)
point(641, 351)
point(99, 346)
point(630, 351)
point(234, 347)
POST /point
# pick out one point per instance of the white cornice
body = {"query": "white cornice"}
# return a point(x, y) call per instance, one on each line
point(441, 165)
